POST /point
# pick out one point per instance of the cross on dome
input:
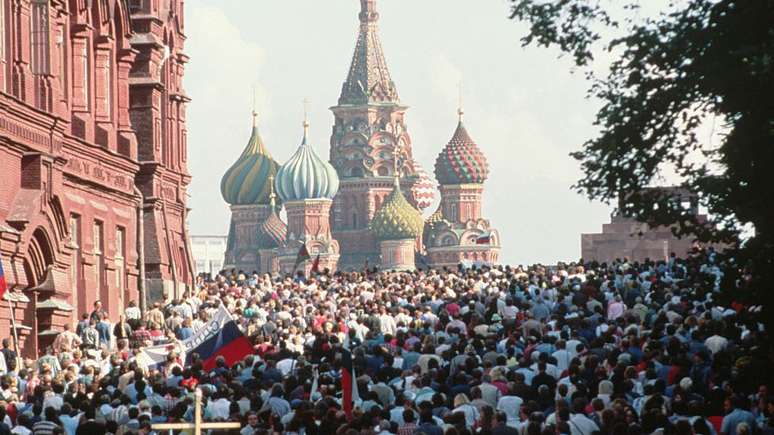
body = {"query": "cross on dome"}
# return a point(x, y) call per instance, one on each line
point(368, 12)
point(460, 110)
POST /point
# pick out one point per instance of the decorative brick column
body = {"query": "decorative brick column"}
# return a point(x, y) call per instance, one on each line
point(461, 202)
point(310, 217)
point(245, 221)
point(309, 222)
point(398, 254)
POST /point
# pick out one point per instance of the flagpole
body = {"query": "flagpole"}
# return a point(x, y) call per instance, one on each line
point(13, 327)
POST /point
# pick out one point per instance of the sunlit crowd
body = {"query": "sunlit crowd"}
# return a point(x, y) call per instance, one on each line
point(624, 348)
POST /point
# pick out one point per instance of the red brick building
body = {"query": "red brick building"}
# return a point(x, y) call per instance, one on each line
point(92, 159)
point(627, 238)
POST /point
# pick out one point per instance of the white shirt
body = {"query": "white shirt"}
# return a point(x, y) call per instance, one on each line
point(716, 343)
point(470, 411)
point(582, 425)
point(219, 408)
point(563, 358)
point(286, 366)
point(511, 406)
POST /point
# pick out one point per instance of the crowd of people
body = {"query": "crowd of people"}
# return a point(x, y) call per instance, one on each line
point(624, 348)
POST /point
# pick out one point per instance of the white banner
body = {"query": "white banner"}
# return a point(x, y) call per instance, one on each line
point(154, 355)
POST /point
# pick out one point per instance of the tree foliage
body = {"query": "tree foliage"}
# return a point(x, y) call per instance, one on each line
point(697, 65)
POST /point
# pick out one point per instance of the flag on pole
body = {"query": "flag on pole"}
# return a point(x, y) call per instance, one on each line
point(303, 255)
point(484, 239)
point(316, 265)
point(3, 284)
point(349, 391)
point(219, 337)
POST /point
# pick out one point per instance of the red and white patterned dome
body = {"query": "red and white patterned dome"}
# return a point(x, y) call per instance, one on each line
point(423, 188)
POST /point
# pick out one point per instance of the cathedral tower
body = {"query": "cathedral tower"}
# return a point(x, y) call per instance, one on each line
point(246, 186)
point(307, 185)
point(457, 233)
point(369, 127)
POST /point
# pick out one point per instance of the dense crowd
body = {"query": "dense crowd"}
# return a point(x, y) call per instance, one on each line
point(576, 349)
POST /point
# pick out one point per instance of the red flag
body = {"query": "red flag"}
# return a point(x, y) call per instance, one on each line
point(349, 393)
point(316, 265)
point(3, 284)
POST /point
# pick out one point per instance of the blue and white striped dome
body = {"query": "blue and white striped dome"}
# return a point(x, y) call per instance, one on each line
point(306, 175)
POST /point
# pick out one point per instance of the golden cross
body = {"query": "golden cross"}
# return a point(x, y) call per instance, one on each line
point(306, 112)
point(460, 110)
point(255, 111)
point(197, 424)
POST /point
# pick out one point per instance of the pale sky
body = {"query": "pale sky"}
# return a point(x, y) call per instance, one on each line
point(524, 107)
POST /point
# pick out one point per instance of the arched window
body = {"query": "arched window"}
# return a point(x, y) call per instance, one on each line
point(383, 171)
point(39, 40)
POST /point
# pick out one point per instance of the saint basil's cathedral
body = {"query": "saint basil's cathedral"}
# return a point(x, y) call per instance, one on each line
point(363, 207)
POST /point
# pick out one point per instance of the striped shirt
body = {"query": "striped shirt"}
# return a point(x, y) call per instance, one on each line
point(44, 428)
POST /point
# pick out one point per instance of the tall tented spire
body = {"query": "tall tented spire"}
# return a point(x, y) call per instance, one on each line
point(369, 79)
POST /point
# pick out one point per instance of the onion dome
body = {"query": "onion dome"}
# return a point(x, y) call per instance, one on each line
point(436, 217)
point(247, 181)
point(423, 187)
point(461, 161)
point(397, 219)
point(306, 175)
point(273, 231)
point(433, 221)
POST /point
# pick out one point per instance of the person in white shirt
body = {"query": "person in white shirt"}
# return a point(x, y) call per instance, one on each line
point(511, 406)
point(579, 423)
point(562, 356)
point(386, 323)
point(218, 409)
point(462, 404)
point(716, 343)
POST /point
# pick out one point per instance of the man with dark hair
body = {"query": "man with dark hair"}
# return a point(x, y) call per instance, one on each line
point(739, 414)
point(47, 426)
point(427, 424)
point(409, 427)
point(501, 427)
point(96, 313)
point(90, 426)
point(9, 355)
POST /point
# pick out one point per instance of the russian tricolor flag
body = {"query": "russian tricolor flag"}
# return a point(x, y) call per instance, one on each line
point(229, 342)
point(484, 239)
point(3, 284)
point(219, 337)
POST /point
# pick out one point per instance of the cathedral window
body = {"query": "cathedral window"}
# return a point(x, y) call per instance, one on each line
point(40, 38)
